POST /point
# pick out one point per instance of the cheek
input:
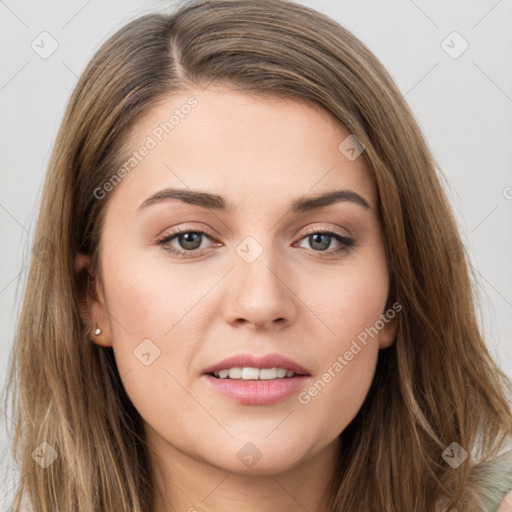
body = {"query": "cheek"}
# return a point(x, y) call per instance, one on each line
point(335, 397)
point(158, 312)
point(346, 302)
point(151, 353)
point(350, 305)
point(347, 362)
point(147, 298)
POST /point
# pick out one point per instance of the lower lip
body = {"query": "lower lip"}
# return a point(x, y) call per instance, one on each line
point(257, 392)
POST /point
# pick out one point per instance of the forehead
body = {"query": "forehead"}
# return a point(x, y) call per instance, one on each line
point(248, 148)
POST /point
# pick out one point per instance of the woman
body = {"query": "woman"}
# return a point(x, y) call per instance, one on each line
point(255, 295)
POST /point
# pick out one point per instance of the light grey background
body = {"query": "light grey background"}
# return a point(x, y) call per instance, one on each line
point(463, 105)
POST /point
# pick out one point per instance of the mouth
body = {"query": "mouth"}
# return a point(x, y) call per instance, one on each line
point(251, 380)
point(250, 373)
point(250, 367)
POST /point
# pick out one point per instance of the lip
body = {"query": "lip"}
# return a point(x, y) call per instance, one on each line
point(251, 361)
point(257, 392)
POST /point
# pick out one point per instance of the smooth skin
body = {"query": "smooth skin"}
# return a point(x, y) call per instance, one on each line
point(298, 298)
point(506, 504)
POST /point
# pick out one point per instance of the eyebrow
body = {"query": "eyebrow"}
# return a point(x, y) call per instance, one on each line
point(216, 202)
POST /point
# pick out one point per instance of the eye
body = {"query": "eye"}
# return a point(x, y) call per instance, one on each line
point(191, 241)
point(320, 241)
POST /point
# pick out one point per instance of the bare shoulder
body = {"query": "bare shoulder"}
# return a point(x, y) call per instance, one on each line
point(506, 504)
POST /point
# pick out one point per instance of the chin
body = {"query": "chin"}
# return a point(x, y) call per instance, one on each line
point(256, 455)
point(268, 464)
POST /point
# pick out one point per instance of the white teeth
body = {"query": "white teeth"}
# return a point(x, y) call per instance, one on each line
point(268, 373)
point(248, 373)
point(235, 373)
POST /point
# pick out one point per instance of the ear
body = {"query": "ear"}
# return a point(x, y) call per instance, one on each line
point(387, 334)
point(92, 306)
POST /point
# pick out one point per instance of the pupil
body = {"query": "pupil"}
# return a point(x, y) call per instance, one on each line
point(189, 240)
point(316, 236)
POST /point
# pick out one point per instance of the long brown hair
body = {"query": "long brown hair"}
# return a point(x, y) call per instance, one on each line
point(436, 385)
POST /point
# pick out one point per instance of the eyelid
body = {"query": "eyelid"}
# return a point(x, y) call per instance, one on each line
point(326, 227)
point(185, 228)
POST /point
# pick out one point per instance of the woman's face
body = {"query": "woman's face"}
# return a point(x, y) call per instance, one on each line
point(259, 284)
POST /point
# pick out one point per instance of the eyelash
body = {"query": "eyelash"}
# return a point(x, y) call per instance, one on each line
point(346, 243)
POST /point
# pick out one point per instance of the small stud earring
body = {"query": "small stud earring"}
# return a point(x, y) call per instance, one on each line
point(97, 331)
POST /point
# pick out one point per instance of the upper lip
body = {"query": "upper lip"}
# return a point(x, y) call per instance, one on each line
point(251, 361)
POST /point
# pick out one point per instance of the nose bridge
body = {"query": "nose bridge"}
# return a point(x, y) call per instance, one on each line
point(259, 293)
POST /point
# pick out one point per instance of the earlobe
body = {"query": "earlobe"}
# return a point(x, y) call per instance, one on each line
point(387, 334)
point(92, 311)
point(82, 261)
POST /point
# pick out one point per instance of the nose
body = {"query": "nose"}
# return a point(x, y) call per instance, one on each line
point(260, 294)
